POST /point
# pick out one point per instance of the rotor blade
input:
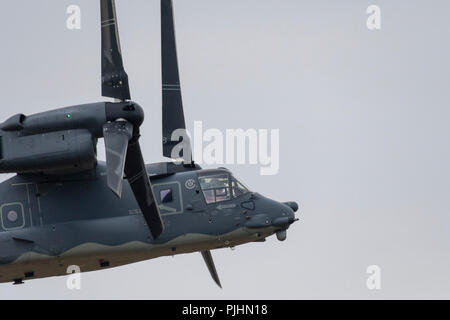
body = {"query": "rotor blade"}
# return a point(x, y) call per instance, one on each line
point(140, 184)
point(114, 78)
point(116, 135)
point(172, 112)
point(207, 256)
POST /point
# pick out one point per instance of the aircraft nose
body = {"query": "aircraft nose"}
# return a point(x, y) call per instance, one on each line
point(286, 220)
point(293, 205)
point(288, 215)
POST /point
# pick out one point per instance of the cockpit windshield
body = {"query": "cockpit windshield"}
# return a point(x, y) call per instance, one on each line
point(217, 187)
point(238, 188)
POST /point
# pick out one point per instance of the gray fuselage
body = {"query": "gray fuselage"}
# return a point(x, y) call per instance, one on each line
point(48, 223)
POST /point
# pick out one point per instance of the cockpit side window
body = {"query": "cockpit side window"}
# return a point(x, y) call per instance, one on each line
point(216, 188)
point(238, 188)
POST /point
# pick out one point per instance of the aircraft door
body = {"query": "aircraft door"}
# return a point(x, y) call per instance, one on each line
point(18, 207)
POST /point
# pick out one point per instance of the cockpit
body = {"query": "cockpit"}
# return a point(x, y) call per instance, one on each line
point(218, 186)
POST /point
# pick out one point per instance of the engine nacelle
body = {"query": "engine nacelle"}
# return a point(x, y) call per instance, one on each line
point(66, 151)
point(60, 141)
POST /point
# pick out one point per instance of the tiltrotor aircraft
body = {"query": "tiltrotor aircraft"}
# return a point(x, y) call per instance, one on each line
point(59, 210)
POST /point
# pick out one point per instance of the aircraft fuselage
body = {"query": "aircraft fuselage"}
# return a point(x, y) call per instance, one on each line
point(48, 223)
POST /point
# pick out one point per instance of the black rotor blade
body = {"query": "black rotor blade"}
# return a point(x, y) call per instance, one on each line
point(172, 112)
point(114, 78)
point(137, 176)
point(116, 136)
point(207, 256)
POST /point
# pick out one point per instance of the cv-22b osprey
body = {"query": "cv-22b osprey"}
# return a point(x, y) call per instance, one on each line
point(66, 208)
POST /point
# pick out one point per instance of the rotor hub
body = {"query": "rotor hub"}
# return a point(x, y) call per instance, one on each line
point(127, 110)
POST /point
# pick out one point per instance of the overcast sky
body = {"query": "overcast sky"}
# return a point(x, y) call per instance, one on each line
point(364, 131)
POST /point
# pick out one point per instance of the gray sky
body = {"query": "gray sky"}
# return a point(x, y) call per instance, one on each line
point(363, 118)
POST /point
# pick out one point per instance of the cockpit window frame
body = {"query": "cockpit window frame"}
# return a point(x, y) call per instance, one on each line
point(231, 180)
point(213, 173)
